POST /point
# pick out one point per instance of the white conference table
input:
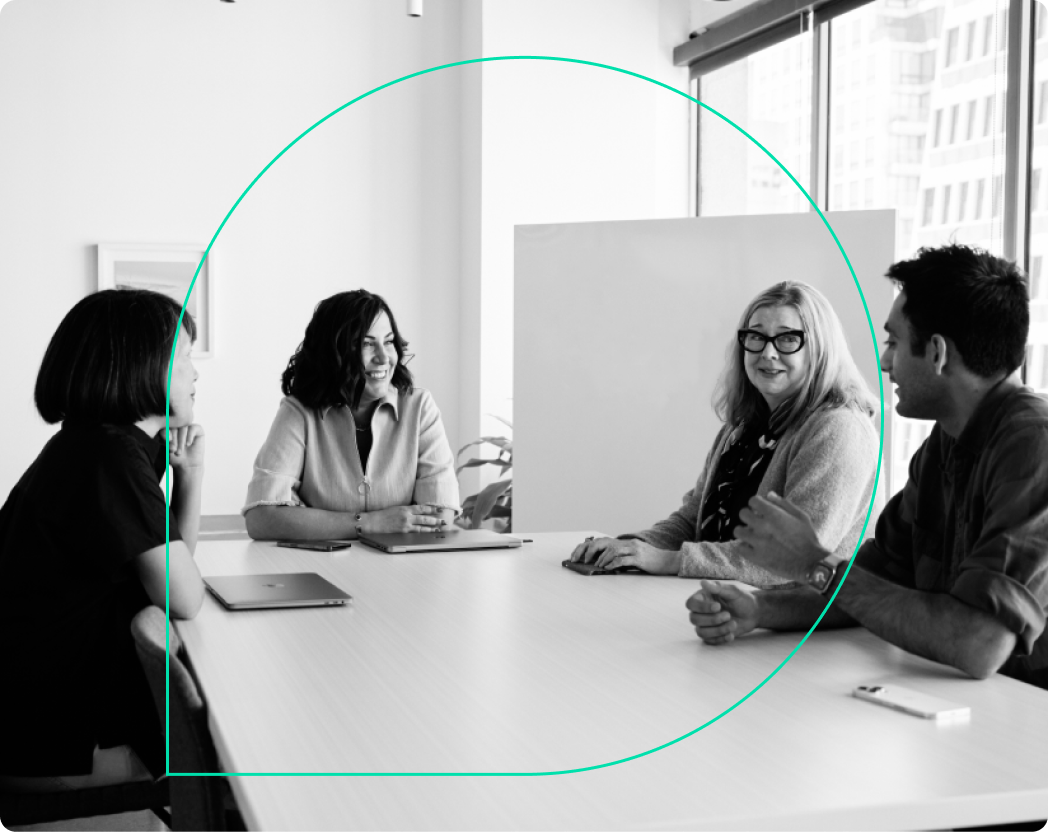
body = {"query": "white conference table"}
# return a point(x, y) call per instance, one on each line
point(505, 662)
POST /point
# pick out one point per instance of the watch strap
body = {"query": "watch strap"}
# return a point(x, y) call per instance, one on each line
point(838, 570)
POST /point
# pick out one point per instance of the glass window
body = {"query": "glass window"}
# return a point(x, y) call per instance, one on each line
point(952, 37)
point(943, 150)
point(769, 95)
point(1037, 369)
point(929, 206)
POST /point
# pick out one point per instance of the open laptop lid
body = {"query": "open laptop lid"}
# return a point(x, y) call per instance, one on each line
point(446, 541)
point(274, 591)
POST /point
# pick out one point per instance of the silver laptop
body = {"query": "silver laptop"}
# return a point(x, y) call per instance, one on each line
point(449, 541)
point(284, 589)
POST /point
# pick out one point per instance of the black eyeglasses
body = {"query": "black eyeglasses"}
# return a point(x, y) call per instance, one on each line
point(787, 342)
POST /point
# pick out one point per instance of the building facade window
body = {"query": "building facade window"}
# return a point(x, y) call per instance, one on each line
point(768, 94)
point(916, 122)
point(952, 38)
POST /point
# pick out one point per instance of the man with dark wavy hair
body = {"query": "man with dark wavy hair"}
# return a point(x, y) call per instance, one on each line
point(958, 568)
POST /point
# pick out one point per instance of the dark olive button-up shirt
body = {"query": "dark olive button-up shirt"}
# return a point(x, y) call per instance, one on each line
point(972, 521)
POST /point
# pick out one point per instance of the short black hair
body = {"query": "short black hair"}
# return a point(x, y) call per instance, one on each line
point(978, 301)
point(327, 369)
point(107, 362)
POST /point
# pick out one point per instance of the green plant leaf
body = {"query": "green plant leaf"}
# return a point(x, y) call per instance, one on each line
point(506, 422)
point(486, 500)
point(476, 463)
point(497, 441)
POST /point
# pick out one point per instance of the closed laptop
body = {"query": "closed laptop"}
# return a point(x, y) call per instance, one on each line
point(290, 589)
point(458, 540)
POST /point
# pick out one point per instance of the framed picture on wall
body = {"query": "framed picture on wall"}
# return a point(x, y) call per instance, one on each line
point(167, 269)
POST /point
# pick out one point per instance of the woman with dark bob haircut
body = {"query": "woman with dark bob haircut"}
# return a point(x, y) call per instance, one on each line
point(82, 544)
point(354, 446)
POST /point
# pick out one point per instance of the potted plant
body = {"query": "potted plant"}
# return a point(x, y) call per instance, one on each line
point(492, 507)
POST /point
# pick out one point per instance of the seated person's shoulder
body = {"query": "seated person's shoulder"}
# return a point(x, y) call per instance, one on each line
point(847, 425)
point(289, 405)
point(417, 397)
point(1027, 409)
point(116, 442)
point(1019, 436)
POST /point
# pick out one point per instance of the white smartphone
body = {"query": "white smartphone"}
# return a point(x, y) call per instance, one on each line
point(913, 702)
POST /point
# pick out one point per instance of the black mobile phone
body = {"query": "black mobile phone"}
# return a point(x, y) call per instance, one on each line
point(315, 545)
point(593, 569)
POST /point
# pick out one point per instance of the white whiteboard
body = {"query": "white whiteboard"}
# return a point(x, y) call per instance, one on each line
point(620, 333)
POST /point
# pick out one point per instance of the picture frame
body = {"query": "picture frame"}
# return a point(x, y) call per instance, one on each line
point(168, 269)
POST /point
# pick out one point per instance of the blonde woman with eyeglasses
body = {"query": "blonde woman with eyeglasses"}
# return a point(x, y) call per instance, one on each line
point(798, 421)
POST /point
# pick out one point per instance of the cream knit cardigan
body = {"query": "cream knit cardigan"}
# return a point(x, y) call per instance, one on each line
point(826, 465)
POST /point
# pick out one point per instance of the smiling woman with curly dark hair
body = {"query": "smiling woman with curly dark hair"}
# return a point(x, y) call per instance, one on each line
point(354, 446)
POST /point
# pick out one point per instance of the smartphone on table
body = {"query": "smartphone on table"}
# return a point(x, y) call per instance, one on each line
point(913, 702)
point(315, 545)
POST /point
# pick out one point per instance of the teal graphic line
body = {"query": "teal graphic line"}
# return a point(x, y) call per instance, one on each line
point(167, 422)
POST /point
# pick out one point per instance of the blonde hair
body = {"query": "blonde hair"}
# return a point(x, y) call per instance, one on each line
point(831, 380)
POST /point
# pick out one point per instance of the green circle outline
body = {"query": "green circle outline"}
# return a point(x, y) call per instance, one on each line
point(167, 443)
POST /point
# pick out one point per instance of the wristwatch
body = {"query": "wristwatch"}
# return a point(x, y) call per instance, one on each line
point(823, 575)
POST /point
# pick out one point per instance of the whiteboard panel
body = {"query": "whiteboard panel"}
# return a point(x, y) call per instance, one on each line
point(621, 330)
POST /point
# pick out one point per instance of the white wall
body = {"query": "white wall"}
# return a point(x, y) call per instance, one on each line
point(143, 122)
point(564, 142)
point(621, 335)
point(128, 121)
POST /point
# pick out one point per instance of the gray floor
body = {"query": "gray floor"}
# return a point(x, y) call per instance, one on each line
point(144, 821)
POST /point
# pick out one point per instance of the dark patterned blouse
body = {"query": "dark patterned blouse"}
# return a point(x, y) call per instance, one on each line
point(736, 479)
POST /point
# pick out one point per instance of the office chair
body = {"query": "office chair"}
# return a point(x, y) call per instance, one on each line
point(19, 808)
point(196, 802)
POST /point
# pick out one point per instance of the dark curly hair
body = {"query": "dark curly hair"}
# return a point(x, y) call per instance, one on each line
point(977, 300)
point(327, 369)
point(108, 360)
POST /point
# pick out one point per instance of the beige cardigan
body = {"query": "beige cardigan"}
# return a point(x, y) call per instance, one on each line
point(826, 465)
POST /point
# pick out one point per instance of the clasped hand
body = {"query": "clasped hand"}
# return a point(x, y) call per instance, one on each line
point(610, 553)
point(722, 612)
point(413, 518)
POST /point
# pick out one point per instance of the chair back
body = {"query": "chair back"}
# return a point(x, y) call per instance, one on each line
point(196, 802)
